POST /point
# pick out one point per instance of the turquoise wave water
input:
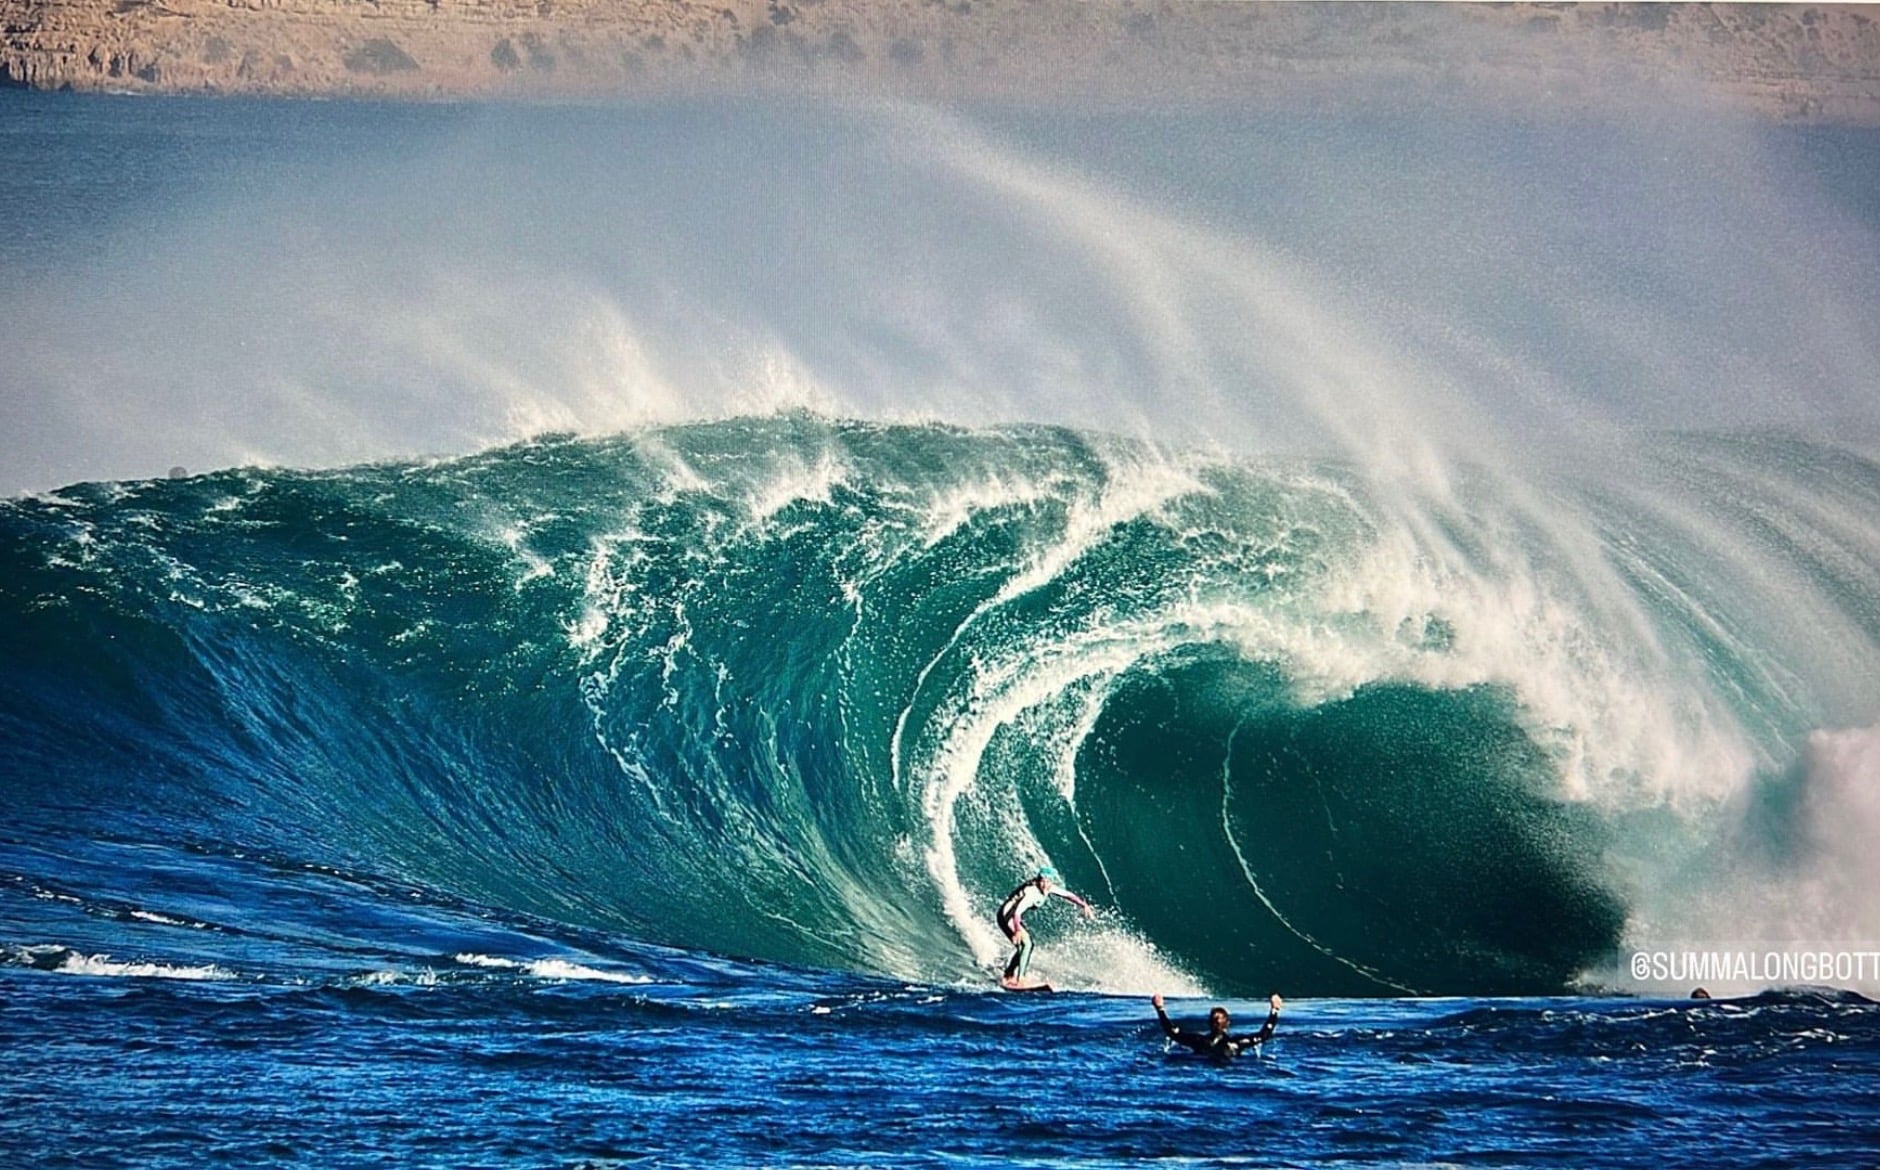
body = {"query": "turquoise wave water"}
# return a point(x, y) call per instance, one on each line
point(821, 692)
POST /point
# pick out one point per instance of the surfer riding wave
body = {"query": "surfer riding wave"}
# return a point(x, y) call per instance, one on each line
point(1012, 919)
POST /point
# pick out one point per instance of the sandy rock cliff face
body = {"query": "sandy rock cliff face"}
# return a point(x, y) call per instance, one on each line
point(1819, 63)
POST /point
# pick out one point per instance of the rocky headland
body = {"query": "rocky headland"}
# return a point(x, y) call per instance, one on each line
point(1817, 63)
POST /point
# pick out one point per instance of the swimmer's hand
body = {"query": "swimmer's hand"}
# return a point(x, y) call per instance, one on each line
point(1276, 1001)
point(1156, 1001)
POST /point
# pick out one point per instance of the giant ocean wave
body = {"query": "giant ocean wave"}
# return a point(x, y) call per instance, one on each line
point(821, 691)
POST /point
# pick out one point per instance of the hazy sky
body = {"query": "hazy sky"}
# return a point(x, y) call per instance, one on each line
point(204, 284)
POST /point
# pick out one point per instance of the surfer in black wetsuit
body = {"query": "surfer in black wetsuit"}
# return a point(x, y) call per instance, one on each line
point(1217, 1042)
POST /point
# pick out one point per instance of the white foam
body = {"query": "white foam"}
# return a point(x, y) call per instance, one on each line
point(953, 506)
point(1138, 485)
point(514, 537)
point(1593, 681)
point(106, 966)
point(423, 977)
point(1109, 958)
point(608, 584)
point(1819, 894)
point(558, 969)
point(793, 480)
point(1839, 895)
point(471, 959)
point(561, 969)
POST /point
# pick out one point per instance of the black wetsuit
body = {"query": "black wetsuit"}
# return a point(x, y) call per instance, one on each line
point(1217, 1045)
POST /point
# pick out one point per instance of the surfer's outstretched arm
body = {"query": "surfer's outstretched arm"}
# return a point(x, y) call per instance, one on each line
point(1169, 1027)
point(1089, 912)
point(1266, 1030)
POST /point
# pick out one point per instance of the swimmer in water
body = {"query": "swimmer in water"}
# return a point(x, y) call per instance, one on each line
point(1217, 1042)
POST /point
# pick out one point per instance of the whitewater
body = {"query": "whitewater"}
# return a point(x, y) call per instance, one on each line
point(652, 581)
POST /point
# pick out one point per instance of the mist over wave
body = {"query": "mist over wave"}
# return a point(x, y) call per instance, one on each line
point(382, 283)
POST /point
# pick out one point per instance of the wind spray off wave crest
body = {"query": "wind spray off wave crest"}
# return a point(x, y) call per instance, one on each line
point(1393, 292)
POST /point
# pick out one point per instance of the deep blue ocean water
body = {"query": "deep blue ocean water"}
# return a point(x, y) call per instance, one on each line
point(264, 1012)
point(640, 586)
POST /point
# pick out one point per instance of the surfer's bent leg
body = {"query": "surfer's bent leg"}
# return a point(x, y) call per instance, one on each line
point(1021, 939)
point(1021, 958)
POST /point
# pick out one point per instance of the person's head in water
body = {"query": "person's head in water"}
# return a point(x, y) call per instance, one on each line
point(1047, 877)
point(1218, 1021)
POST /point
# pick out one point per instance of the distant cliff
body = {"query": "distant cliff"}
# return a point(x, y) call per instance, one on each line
point(1815, 63)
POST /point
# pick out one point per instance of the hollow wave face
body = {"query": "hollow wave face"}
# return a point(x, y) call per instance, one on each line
point(823, 692)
